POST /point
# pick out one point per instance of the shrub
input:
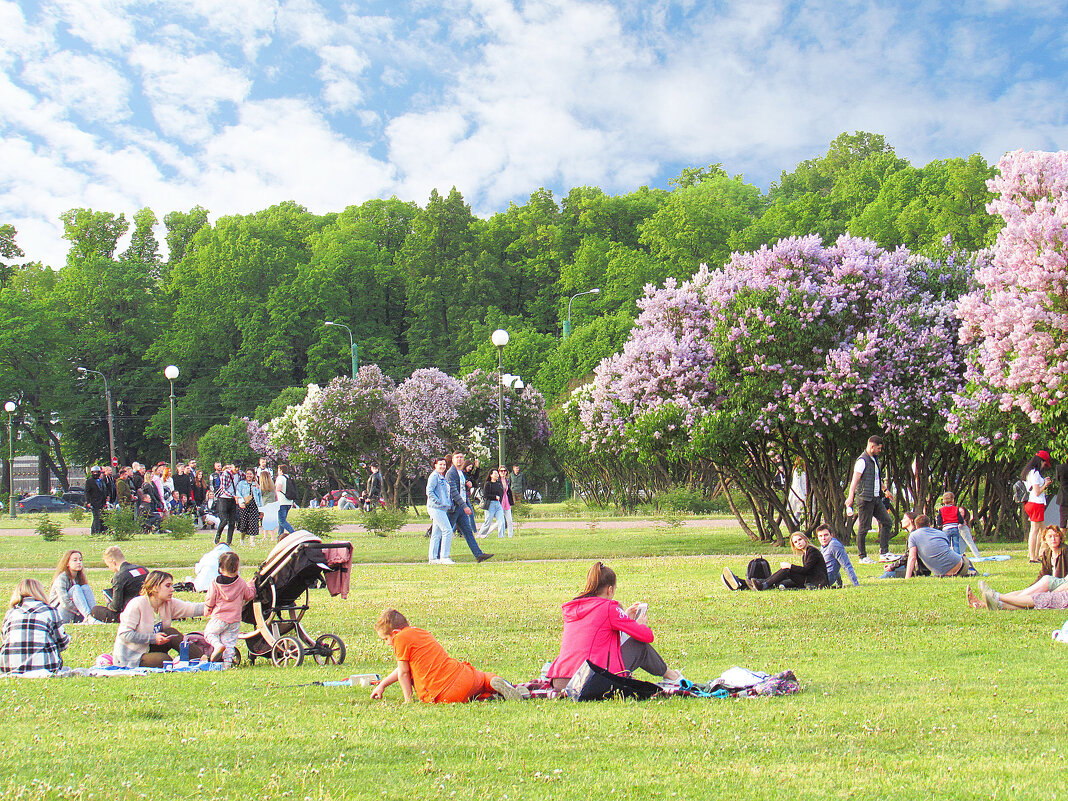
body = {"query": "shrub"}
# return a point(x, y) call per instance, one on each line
point(178, 527)
point(77, 514)
point(383, 522)
point(684, 499)
point(48, 529)
point(317, 521)
point(122, 523)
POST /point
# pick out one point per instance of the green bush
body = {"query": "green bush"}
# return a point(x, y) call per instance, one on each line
point(684, 499)
point(48, 529)
point(383, 522)
point(178, 527)
point(122, 522)
point(319, 522)
point(77, 514)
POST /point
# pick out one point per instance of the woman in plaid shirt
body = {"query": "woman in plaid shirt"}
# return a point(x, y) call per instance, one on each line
point(32, 633)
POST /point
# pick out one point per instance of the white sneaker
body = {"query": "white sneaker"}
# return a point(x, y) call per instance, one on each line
point(434, 562)
point(446, 561)
point(867, 560)
point(887, 557)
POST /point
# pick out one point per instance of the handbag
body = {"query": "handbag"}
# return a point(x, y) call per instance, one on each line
point(593, 683)
point(484, 505)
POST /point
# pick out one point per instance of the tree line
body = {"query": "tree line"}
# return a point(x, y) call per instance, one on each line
point(239, 304)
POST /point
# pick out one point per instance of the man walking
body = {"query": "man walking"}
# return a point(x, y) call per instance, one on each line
point(374, 486)
point(869, 487)
point(97, 497)
point(460, 514)
point(226, 504)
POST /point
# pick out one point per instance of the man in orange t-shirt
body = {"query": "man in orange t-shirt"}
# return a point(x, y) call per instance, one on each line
point(423, 665)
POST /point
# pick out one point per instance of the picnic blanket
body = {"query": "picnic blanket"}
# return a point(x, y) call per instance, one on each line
point(735, 682)
point(115, 670)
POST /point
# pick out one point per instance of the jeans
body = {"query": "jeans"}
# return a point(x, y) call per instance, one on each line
point(461, 521)
point(866, 510)
point(81, 595)
point(283, 524)
point(226, 509)
point(440, 534)
point(953, 532)
point(834, 575)
point(508, 521)
point(495, 512)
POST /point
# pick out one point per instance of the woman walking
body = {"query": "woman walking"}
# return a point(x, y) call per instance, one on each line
point(249, 501)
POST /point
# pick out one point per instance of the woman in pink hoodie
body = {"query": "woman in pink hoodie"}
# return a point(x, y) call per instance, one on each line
point(593, 623)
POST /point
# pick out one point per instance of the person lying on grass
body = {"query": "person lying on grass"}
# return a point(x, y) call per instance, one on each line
point(423, 667)
point(139, 643)
point(1046, 593)
point(593, 625)
point(812, 572)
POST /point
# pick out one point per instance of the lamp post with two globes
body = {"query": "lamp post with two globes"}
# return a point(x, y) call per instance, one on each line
point(500, 339)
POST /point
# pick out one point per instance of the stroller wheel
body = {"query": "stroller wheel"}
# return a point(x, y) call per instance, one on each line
point(287, 652)
point(329, 650)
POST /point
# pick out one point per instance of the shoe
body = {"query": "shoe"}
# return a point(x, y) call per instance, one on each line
point(446, 561)
point(887, 557)
point(753, 585)
point(731, 581)
point(505, 689)
point(990, 598)
point(484, 557)
point(867, 560)
point(434, 562)
point(984, 588)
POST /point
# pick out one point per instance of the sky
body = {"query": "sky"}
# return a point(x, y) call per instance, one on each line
point(236, 105)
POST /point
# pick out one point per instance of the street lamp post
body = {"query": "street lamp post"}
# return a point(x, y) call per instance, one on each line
point(567, 324)
point(171, 373)
point(352, 346)
point(9, 407)
point(111, 423)
point(500, 339)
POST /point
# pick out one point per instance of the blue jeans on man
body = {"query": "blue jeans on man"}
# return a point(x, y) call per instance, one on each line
point(463, 522)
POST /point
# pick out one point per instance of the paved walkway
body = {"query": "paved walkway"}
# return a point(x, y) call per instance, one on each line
point(529, 524)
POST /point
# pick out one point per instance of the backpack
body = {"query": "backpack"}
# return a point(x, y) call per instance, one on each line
point(758, 569)
point(1019, 491)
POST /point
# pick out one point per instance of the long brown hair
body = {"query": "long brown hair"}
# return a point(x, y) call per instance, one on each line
point(599, 577)
point(64, 567)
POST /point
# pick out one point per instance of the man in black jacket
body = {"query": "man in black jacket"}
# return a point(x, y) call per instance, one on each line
point(97, 497)
point(461, 516)
point(125, 585)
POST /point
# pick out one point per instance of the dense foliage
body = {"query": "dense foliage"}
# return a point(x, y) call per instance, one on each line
point(238, 303)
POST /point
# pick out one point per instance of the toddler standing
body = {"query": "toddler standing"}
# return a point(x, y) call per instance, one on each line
point(227, 596)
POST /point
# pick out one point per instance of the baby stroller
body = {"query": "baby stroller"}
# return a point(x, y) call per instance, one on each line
point(298, 563)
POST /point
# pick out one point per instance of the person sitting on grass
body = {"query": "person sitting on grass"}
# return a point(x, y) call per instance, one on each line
point(125, 585)
point(594, 623)
point(424, 668)
point(33, 636)
point(1053, 556)
point(835, 556)
point(812, 572)
point(932, 547)
point(227, 596)
point(1046, 593)
point(139, 642)
point(70, 593)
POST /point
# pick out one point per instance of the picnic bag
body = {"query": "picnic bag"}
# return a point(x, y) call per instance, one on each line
point(758, 569)
point(593, 683)
point(1019, 491)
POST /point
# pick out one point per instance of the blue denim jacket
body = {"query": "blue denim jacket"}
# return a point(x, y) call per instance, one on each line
point(244, 488)
point(437, 493)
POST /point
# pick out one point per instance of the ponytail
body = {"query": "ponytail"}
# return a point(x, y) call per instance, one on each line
point(597, 579)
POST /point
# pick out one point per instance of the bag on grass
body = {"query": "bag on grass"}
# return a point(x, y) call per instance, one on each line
point(593, 683)
point(758, 569)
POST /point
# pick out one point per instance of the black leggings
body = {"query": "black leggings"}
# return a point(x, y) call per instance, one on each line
point(635, 655)
point(226, 509)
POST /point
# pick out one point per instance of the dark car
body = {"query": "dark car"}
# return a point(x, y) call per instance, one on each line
point(75, 496)
point(44, 503)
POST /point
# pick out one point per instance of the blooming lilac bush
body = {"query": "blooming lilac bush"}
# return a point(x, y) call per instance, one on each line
point(1016, 319)
point(795, 352)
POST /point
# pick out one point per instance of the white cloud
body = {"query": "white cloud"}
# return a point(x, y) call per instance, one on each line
point(247, 22)
point(86, 84)
point(187, 90)
point(105, 25)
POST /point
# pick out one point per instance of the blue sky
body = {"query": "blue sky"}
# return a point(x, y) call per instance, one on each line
point(239, 104)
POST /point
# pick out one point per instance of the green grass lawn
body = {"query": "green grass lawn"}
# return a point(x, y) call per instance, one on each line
point(907, 693)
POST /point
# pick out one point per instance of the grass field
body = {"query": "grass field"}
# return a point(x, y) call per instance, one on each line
point(907, 693)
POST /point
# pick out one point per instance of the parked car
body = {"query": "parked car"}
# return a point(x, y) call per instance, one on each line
point(44, 503)
point(75, 496)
